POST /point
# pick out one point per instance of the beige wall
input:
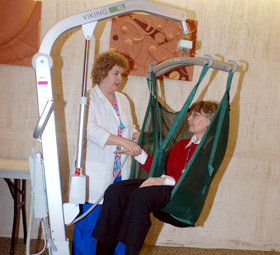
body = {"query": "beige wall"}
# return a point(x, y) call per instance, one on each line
point(242, 210)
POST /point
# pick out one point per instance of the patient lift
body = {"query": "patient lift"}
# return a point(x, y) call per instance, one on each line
point(45, 130)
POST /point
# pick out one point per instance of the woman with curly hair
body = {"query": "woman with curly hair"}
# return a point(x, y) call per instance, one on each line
point(109, 128)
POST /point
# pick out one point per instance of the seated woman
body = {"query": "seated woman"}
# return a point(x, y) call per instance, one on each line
point(125, 214)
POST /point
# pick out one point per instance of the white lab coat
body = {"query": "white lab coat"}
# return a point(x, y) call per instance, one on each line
point(103, 121)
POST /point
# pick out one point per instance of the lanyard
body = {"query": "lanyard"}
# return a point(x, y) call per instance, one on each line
point(117, 162)
point(187, 159)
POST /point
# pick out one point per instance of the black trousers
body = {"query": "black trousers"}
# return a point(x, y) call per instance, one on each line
point(125, 213)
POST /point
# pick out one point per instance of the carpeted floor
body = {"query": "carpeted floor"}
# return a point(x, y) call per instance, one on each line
point(37, 245)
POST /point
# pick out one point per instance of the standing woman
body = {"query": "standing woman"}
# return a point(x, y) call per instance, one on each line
point(109, 128)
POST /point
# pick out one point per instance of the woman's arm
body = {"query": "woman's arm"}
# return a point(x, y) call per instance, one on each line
point(129, 146)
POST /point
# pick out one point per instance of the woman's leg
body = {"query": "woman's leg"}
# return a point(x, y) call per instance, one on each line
point(83, 242)
point(120, 248)
point(113, 208)
point(136, 221)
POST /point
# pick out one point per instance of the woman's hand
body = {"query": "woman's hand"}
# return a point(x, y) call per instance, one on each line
point(153, 181)
point(130, 148)
point(136, 136)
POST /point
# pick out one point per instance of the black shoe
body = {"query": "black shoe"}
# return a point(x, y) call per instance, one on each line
point(103, 248)
point(131, 250)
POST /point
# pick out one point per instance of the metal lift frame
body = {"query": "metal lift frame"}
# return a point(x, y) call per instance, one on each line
point(45, 131)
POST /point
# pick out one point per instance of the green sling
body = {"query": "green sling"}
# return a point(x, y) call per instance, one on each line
point(161, 129)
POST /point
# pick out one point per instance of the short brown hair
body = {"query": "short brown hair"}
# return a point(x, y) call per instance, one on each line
point(207, 108)
point(105, 62)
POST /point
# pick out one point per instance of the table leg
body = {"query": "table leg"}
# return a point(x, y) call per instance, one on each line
point(15, 197)
point(23, 210)
point(17, 191)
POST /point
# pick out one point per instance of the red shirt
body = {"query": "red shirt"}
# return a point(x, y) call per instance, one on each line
point(175, 160)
